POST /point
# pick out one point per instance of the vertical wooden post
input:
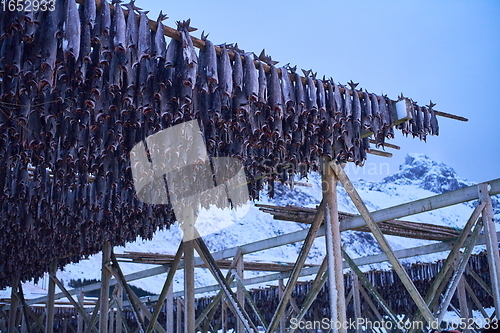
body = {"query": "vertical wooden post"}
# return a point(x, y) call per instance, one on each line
point(334, 250)
point(49, 324)
point(189, 314)
point(462, 301)
point(281, 287)
point(79, 328)
point(105, 277)
point(240, 296)
point(119, 304)
point(14, 301)
point(356, 298)
point(188, 221)
point(491, 245)
point(224, 316)
point(180, 327)
point(169, 309)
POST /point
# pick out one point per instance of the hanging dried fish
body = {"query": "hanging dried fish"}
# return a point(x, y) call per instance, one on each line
point(119, 27)
point(159, 38)
point(71, 31)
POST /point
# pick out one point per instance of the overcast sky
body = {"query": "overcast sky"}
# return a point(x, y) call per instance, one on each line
point(444, 51)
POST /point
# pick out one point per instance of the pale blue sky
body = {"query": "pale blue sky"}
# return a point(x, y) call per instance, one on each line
point(447, 51)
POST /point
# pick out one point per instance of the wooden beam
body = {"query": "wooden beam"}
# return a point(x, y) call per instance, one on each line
point(78, 307)
point(130, 293)
point(105, 277)
point(386, 144)
point(316, 286)
point(250, 301)
point(423, 205)
point(462, 302)
point(93, 319)
point(386, 248)
point(209, 311)
point(237, 309)
point(119, 304)
point(333, 248)
point(379, 153)
point(169, 309)
point(457, 274)
point(189, 293)
point(491, 245)
point(166, 287)
point(49, 324)
point(294, 275)
point(240, 295)
point(281, 287)
point(474, 298)
point(370, 287)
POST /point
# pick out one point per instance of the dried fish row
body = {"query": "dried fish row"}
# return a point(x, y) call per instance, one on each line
point(83, 85)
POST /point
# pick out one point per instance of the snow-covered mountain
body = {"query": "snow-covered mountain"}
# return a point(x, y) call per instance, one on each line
point(417, 178)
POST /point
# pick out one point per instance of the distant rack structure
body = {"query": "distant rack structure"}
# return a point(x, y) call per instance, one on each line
point(81, 86)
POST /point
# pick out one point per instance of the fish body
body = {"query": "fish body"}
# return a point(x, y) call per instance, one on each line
point(225, 73)
point(275, 94)
point(89, 13)
point(119, 27)
point(262, 85)
point(288, 89)
point(159, 42)
point(366, 116)
point(144, 40)
point(237, 72)
point(212, 71)
point(251, 81)
point(72, 31)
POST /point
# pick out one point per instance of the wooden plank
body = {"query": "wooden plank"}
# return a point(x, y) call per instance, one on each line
point(236, 307)
point(281, 286)
point(379, 153)
point(189, 293)
point(105, 277)
point(357, 299)
point(491, 245)
point(49, 324)
point(370, 287)
point(336, 291)
point(474, 298)
point(294, 275)
point(384, 245)
point(423, 205)
point(179, 326)
point(316, 286)
point(209, 311)
point(93, 319)
point(250, 301)
point(457, 274)
point(370, 304)
point(166, 287)
point(79, 324)
point(130, 293)
point(462, 302)
point(479, 280)
point(119, 305)
point(76, 305)
point(169, 309)
point(386, 144)
point(240, 266)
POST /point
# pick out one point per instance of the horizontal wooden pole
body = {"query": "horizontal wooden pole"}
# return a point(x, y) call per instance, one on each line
point(423, 205)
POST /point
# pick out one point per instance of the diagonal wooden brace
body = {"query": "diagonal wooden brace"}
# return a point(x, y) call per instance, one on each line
point(236, 307)
point(372, 225)
point(294, 275)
